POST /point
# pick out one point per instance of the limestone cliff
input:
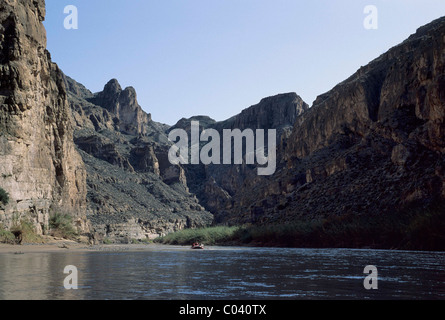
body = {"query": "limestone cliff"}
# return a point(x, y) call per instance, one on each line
point(39, 166)
point(276, 112)
point(372, 146)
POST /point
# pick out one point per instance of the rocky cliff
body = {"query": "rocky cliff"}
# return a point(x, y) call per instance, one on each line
point(370, 147)
point(220, 188)
point(373, 145)
point(39, 166)
point(128, 115)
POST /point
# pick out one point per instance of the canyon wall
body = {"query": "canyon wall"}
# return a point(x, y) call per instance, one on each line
point(40, 168)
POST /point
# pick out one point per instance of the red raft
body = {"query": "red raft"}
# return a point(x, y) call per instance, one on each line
point(197, 246)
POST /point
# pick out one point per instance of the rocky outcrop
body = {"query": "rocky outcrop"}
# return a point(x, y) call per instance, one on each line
point(39, 166)
point(128, 115)
point(134, 192)
point(371, 146)
point(276, 112)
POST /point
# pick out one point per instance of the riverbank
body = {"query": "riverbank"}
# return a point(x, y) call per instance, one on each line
point(38, 248)
point(72, 246)
point(421, 229)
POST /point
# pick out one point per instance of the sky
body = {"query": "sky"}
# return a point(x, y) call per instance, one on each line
point(218, 57)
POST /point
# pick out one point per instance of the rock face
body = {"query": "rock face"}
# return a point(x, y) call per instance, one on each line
point(372, 145)
point(277, 112)
point(134, 193)
point(39, 166)
point(222, 188)
point(128, 117)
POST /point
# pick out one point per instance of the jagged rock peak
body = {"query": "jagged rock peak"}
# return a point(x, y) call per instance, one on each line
point(129, 96)
point(123, 105)
point(112, 87)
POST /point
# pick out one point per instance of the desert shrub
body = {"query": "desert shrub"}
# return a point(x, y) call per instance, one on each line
point(61, 225)
point(25, 232)
point(6, 236)
point(426, 229)
point(208, 236)
point(4, 196)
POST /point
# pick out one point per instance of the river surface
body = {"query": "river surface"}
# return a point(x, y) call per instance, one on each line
point(231, 273)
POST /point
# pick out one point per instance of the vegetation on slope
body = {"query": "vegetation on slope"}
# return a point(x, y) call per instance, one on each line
point(419, 229)
point(4, 196)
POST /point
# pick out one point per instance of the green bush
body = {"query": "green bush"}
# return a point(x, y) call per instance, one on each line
point(409, 229)
point(6, 236)
point(208, 236)
point(426, 229)
point(24, 232)
point(4, 196)
point(61, 225)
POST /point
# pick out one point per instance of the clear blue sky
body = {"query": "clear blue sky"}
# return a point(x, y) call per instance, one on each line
point(218, 57)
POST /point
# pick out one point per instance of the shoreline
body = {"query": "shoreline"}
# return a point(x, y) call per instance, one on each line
point(68, 246)
point(71, 246)
point(42, 248)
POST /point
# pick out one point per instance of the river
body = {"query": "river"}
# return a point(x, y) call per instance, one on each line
point(231, 273)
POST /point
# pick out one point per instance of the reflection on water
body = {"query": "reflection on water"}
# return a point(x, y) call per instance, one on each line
point(224, 273)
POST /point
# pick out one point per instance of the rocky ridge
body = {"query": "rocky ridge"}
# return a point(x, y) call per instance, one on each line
point(218, 187)
point(134, 193)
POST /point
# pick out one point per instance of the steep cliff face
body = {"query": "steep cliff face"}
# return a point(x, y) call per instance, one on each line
point(405, 84)
point(39, 166)
point(134, 192)
point(373, 145)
